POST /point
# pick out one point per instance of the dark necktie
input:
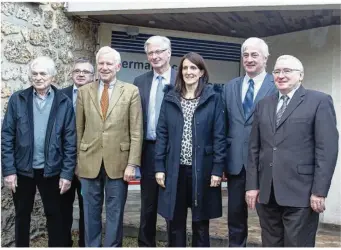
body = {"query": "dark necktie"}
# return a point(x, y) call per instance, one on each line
point(105, 101)
point(280, 112)
point(158, 98)
point(248, 100)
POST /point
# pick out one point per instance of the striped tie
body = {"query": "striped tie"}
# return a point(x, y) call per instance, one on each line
point(280, 112)
point(105, 101)
point(248, 100)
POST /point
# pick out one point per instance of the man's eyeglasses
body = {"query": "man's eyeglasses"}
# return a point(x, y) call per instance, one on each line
point(84, 72)
point(285, 71)
point(156, 52)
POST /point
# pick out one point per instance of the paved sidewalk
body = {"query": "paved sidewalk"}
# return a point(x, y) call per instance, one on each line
point(327, 236)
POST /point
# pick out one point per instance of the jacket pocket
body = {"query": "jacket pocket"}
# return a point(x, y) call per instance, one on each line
point(84, 146)
point(125, 146)
point(306, 169)
point(209, 150)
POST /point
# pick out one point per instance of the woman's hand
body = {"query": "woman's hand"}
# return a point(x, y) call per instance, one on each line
point(160, 179)
point(215, 181)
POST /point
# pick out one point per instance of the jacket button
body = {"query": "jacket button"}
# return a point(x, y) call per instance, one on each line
point(271, 164)
point(275, 148)
point(198, 123)
point(198, 146)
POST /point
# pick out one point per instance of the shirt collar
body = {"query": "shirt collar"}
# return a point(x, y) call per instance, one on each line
point(290, 94)
point(74, 88)
point(166, 75)
point(257, 79)
point(111, 84)
point(35, 93)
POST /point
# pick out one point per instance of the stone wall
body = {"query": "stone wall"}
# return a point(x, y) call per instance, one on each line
point(29, 30)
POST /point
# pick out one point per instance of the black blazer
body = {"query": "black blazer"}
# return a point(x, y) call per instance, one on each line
point(68, 91)
point(144, 83)
point(299, 156)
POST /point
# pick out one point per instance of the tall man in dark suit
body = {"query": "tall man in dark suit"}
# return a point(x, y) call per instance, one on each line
point(151, 84)
point(292, 156)
point(241, 95)
point(82, 73)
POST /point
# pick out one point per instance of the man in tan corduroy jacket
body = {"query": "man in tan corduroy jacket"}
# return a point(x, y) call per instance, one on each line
point(109, 142)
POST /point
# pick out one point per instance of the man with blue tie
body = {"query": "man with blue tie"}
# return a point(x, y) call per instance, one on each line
point(82, 73)
point(151, 84)
point(240, 96)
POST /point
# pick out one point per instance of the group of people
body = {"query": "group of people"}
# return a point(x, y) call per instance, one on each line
point(274, 140)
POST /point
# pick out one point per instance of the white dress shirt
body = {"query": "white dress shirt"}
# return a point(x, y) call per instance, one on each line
point(258, 80)
point(151, 126)
point(290, 95)
point(74, 96)
point(101, 87)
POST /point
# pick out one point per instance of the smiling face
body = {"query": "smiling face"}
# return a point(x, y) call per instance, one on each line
point(190, 72)
point(107, 67)
point(287, 75)
point(158, 55)
point(254, 61)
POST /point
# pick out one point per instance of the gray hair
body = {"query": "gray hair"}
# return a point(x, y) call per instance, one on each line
point(257, 42)
point(45, 62)
point(109, 50)
point(161, 40)
point(83, 60)
point(297, 63)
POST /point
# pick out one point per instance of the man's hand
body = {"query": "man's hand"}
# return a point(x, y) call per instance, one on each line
point(317, 203)
point(251, 197)
point(215, 181)
point(11, 182)
point(64, 185)
point(160, 179)
point(129, 173)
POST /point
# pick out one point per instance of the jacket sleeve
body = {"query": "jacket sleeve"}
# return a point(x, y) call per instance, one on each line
point(136, 129)
point(161, 141)
point(8, 138)
point(252, 180)
point(219, 137)
point(326, 146)
point(69, 143)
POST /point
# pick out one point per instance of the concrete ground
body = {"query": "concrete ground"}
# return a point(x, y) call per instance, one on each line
point(327, 235)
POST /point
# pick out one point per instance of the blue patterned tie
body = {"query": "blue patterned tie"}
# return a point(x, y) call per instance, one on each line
point(248, 100)
point(158, 98)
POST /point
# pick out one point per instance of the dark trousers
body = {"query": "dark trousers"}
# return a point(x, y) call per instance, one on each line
point(237, 210)
point(67, 201)
point(115, 192)
point(149, 198)
point(23, 202)
point(287, 226)
point(176, 228)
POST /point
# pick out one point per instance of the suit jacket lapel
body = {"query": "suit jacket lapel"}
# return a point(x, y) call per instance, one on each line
point(94, 96)
point(146, 92)
point(272, 111)
point(115, 95)
point(297, 99)
point(238, 92)
point(267, 85)
point(173, 77)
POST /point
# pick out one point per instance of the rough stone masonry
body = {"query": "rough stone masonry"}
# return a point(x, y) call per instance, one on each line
point(29, 30)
